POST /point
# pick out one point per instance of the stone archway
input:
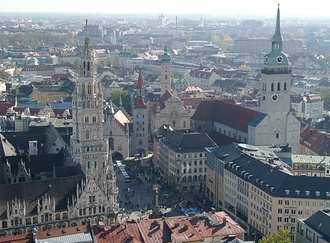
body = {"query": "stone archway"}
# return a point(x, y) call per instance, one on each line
point(117, 156)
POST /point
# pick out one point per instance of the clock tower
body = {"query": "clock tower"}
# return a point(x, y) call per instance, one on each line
point(140, 120)
point(276, 76)
point(279, 127)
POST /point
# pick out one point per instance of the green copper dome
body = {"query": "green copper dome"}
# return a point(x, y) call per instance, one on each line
point(166, 57)
point(276, 58)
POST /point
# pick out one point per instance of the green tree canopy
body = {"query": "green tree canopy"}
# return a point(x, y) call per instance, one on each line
point(125, 98)
point(280, 236)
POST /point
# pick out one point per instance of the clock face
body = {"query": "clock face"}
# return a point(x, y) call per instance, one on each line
point(279, 59)
point(275, 97)
point(266, 59)
point(263, 98)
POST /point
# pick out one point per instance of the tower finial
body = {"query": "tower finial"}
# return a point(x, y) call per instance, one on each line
point(86, 26)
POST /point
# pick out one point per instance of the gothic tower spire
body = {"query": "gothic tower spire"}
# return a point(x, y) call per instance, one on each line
point(87, 57)
point(277, 40)
point(140, 120)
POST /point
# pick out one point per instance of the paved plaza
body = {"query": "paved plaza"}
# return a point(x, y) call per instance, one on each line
point(137, 199)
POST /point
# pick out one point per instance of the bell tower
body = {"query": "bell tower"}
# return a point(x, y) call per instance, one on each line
point(165, 72)
point(280, 126)
point(140, 120)
point(276, 76)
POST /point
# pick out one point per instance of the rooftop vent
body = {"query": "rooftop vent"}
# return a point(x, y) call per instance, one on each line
point(297, 192)
point(307, 193)
point(287, 192)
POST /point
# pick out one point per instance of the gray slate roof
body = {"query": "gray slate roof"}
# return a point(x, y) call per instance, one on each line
point(180, 141)
point(60, 188)
point(320, 222)
point(272, 177)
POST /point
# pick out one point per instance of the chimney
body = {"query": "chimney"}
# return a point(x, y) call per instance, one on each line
point(212, 210)
point(224, 221)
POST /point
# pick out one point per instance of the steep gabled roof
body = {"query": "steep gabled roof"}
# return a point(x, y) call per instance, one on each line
point(226, 112)
point(60, 188)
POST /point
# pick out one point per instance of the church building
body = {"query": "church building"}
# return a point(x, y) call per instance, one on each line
point(274, 124)
point(169, 109)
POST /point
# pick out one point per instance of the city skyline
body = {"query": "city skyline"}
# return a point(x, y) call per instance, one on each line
point(252, 8)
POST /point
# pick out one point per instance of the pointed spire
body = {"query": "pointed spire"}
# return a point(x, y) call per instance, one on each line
point(87, 57)
point(140, 98)
point(140, 83)
point(111, 110)
point(277, 38)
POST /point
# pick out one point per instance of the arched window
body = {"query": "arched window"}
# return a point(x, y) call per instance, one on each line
point(173, 123)
point(278, 86)
point(189, 178)
point(277, 135)
point(88, 165)
point(94, 119)
point(200, 177)
point(83, 88)
point(87, 134)
point(86, 119)
point(272, 87)
point(84, 105)
point(165, 76)
point(284, 86)
point(88, 66)
point(195, 178)
point(89, 88)
point(88, 104)
point(111, 143)
point(95, 164)
point(184, 123)
point(184, 179)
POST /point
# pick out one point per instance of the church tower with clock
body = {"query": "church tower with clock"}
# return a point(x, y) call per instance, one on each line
point(280, 126)
point(140, 120)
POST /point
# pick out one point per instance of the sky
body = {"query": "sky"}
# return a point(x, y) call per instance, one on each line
point(289, 8)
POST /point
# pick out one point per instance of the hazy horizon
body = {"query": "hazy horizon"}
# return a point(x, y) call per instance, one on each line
point(252, 8)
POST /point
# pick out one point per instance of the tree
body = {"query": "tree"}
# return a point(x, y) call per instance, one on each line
point(125, 98)
point(325, 95)
point(280, 236)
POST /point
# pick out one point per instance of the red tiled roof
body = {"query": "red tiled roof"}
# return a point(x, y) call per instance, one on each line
point(26, 238)
point(161, 102)
point(225, 112)
point(119, 234)
point(181, 228)
point(152, 230)
point(140, 83)
point(316, 141)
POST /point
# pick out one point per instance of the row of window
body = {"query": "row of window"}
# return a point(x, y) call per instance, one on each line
point(87, 119)
point(301, 203)
point(272, 86)
point(195, 163)
point(195, 170)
